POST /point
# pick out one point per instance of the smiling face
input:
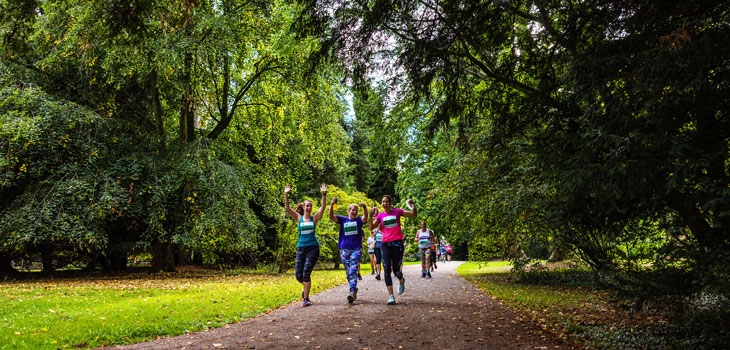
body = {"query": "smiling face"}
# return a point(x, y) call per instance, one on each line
point(308, 206)
point(352, 211)
point(423, 225)
point(386, 203)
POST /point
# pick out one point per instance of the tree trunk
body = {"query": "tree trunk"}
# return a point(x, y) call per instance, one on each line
point(187, 102)
point(558, 252)
point(47, 258)
point(118, 260)
point(163, 258)
point(6, 265)
point(336, 259)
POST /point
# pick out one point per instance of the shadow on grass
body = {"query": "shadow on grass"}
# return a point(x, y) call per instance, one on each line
point(600, 311)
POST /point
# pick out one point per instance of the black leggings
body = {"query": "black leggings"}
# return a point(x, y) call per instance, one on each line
point(306, 259)
point(392, 260)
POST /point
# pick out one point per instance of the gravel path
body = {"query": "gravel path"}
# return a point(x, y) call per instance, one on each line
point(443, 312)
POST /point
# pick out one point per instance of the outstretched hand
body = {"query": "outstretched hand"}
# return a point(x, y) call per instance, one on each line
point(287, 188)
point(323, 188)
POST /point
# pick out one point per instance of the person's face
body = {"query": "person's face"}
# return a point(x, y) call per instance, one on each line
point(352, 211)
point(307, 207)
point(385, 202)
point(423, 225)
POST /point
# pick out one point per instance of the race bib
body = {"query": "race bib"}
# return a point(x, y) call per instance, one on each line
point(350, 228)
point(424, 243)
point(378, 237)
point(307, 227)
point(390, 221)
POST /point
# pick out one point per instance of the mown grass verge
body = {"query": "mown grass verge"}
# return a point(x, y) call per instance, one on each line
point(567, 303)
point(91, 312)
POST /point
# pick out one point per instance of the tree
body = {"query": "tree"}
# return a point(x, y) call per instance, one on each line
point(58, 189)
point(211, 94)
point(617, 107)
point(374, 126)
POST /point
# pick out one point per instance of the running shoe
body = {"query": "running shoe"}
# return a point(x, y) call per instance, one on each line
point(372, 272)
point(359, 278)
point(428, 274)
point(402, 286)
point(423, 273)
point(307, 302)
point(391, 300)
point(350, 298)
point(377, 277)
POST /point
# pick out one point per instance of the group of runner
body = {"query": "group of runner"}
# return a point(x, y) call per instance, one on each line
point(386, 243)
point(430, 249)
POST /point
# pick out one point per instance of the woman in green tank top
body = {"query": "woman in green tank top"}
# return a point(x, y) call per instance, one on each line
point(307, 243)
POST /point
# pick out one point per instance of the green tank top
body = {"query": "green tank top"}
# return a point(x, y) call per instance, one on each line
point(307, 236)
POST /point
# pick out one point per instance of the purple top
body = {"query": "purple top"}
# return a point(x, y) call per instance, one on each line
point(351, 233)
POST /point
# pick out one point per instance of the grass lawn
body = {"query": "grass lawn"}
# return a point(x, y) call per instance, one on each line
point(567, 304)
point(91, 312)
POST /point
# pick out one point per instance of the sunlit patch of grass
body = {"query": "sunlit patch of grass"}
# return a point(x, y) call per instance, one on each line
point(82, 313)
point(561, 310)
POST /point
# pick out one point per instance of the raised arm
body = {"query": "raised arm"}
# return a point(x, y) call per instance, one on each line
point(364, 211)
point(332, 211)
point(294, 215)
point(413, 212)
point(373, 222)
point(318, 214)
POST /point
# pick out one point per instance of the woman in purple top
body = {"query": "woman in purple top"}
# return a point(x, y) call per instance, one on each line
point(350, 242)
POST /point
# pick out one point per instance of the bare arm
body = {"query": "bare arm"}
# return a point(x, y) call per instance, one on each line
point(318, 214)
point(413, 212)
point(294, 215)
point(364, 211)
point(373, 222)
point(332, 212)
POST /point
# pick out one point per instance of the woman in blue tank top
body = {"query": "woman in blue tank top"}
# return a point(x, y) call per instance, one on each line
point(307, 243)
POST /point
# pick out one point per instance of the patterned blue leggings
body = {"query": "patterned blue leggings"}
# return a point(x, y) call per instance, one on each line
point(351, 259)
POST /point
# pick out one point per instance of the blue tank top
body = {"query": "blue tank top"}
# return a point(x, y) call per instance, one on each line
point(307, 236)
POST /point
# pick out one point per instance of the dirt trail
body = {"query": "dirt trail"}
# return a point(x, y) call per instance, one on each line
point(443, 312)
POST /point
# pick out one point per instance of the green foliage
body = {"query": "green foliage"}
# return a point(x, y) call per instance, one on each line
point(581, 126)
point(212, 215)
point(380, 136)
point(60, 175)
point(213, 117)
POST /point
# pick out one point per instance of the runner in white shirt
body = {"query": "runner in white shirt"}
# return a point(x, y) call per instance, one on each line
point(423, 237)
